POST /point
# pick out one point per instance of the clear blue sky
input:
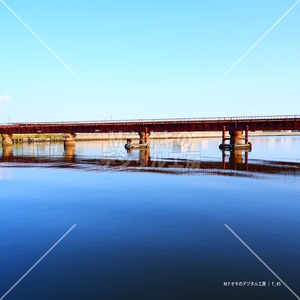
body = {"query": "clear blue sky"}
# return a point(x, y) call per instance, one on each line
point(148, 59)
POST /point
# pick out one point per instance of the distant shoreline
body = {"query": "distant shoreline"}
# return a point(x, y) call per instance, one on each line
point(123, 136)
point(173, 135)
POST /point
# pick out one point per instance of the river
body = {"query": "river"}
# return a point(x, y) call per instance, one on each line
point(180, 221)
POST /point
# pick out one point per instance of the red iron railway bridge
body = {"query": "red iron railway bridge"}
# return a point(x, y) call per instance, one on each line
point(234, 125)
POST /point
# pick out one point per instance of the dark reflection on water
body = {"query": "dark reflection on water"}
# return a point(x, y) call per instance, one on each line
point(230, 160)
point(143, 233)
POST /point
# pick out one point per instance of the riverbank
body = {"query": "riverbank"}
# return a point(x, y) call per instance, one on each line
point(174, 135)
point(37, 138)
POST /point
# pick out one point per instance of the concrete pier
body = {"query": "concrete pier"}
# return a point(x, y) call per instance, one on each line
point(144, 141)
point(236, 137)
point(144, 137)
point(7, 139)
point(69, 141)
point(236, 140)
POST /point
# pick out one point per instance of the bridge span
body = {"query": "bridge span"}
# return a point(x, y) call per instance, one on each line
point(236, 126)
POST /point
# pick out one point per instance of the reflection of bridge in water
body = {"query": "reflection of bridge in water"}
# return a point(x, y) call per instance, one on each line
point(233, 163)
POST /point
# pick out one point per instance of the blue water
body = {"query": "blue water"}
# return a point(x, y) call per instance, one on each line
point(149, 235)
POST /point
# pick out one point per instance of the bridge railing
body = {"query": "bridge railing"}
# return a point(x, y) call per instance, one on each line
point(207, 119)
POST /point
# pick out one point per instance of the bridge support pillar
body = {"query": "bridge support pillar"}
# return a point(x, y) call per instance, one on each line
point(70, 140)
point(144, 137)
point(236, 140)
point(247, 135)
point(236, 137)
point(144, 141)
point(224, 135)
point(7, 140)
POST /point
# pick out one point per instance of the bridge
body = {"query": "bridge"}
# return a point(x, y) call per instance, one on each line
point(234, 125)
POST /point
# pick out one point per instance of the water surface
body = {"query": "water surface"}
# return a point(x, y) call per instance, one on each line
point(150, 231)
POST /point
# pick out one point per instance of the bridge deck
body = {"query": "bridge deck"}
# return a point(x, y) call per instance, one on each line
point(161, 125)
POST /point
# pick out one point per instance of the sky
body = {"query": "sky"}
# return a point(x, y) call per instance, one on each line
point(101, 60)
